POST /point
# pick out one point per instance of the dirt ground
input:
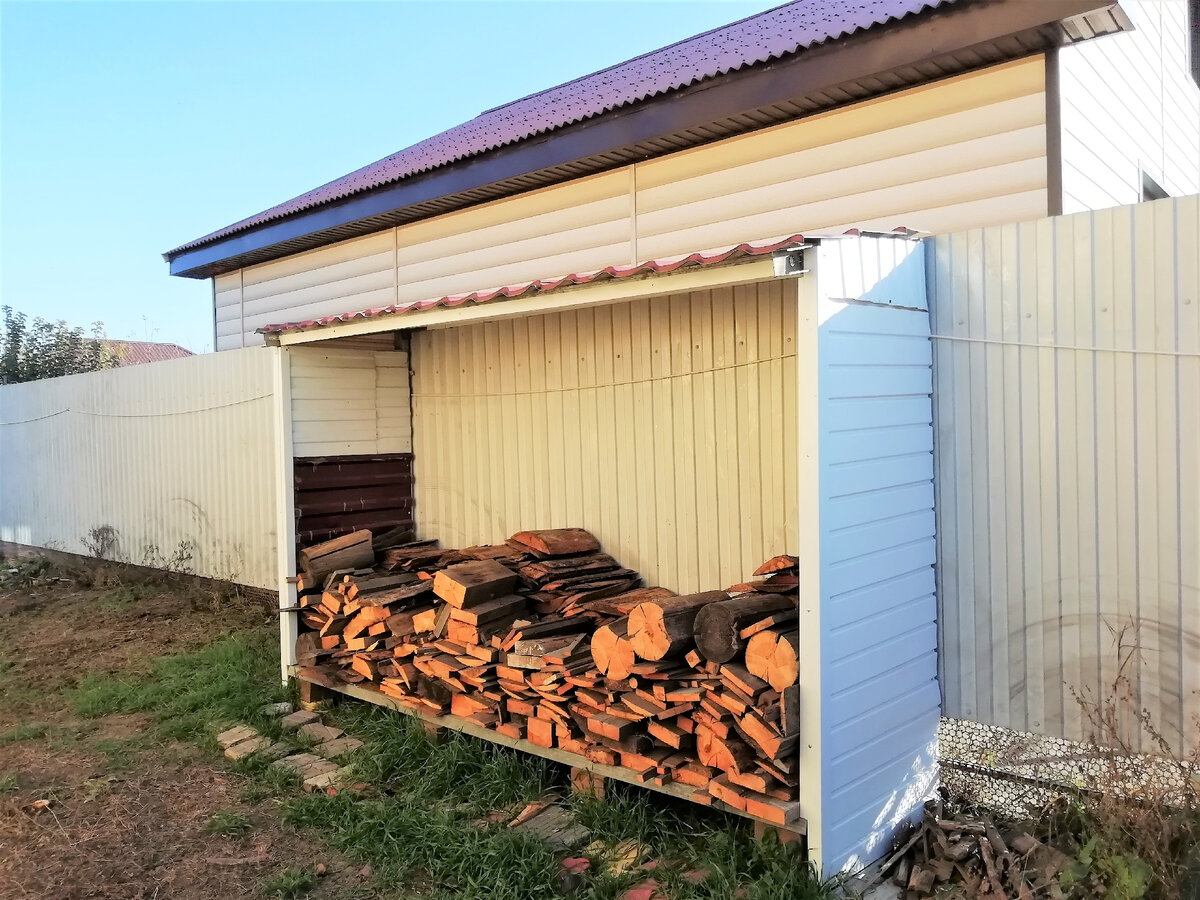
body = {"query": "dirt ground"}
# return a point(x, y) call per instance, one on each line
point(124, 815)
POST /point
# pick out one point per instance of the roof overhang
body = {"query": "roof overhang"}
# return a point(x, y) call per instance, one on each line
point(916, 50)
point(702, 270)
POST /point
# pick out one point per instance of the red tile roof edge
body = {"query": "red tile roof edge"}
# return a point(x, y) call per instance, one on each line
point(695, 260)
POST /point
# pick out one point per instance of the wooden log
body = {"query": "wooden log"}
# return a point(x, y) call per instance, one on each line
point(611, 651)
point(557, 541)
point(777, 564)
point(470, 583)
point(350, 551)
point(771, 655)
point(662, 628)
point(726, 754)
point(718, 625)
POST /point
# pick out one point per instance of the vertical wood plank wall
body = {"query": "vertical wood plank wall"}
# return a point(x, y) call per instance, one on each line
point(349, 401)
point(667, 427)
point(1068, 433)
point(1129, 102)
point(966, 151)
point(166, 454)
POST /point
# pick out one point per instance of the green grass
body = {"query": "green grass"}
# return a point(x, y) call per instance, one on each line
point(288, 884)
point(422, 821)
point(188, 695)
point(124, 596)
point(8, 783)
point(230, 824)
point(120, 753)
point(30, 732)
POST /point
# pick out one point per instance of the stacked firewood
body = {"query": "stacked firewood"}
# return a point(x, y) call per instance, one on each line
point(548, 639)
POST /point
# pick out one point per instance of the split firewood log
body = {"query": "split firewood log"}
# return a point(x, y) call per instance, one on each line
point(611, 651)
point(661, 628)
point(772, 656)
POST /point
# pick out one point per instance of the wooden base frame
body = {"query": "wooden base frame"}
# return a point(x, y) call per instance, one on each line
point(795, 826)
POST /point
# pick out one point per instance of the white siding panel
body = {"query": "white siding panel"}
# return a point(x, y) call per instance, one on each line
point(879, 699)
point(659, 425)
point(966, 151)
point(173, 456)
point(1068, 423)
point(1129, 102)
point(349, 401)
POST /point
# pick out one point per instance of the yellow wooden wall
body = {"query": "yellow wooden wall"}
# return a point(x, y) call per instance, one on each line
point(667, 427)
point(959, 153)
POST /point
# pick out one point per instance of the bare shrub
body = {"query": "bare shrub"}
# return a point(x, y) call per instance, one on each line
point(1141, 819)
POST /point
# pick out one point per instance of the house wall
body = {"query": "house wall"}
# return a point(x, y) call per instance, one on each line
point(868, 626)
point(965, 151)
point(667, 427)
point(175, 457)
point(349, 401)
point(1129, 102)
point(1068, 423)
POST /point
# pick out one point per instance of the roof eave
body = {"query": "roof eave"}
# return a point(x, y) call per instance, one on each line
point(942, 38)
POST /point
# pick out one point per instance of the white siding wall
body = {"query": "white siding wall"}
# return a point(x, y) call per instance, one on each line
point(1068, 423)
point(665, 426)
point(349, 401)
point(167, 454)
point(970, 150)
point(871, 644)
point(1129, 102)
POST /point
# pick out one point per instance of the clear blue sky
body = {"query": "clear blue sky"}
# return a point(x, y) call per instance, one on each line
point(127, 129)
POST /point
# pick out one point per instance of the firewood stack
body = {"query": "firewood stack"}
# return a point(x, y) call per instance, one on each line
point(548, 639)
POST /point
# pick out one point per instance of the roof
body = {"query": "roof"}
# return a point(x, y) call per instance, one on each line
point(763, 69)
point(697, 260)
point(134, 353)
point(755, 39)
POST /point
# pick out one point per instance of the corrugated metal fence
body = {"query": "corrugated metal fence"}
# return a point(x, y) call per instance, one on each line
point(169, 464)
point(1068, 455)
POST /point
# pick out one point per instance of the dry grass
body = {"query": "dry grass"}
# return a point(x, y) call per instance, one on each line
point(1141, 818)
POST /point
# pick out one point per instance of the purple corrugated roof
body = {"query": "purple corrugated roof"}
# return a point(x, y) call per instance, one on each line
point(757, 39)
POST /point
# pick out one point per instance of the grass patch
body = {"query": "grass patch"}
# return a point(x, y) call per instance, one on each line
point(226, 682)
point(229, 824)
point(424, 823)
point(30, 732)
point(264, 780)
point(8, 783)
point(123, 596)
point(288, 884)
point(120, 753)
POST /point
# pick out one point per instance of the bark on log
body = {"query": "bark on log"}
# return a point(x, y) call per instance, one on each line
point(661, 628)
point(717, 624)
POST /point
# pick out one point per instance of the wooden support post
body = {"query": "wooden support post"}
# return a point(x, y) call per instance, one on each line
point(436, 733)
point(312, 695)
point(587, 783)
point(783, 835)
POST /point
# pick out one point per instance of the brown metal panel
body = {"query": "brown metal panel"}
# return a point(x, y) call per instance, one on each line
point(335, 495)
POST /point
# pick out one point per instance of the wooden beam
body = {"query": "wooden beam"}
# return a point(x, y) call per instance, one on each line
point(597, 770)
point(285, 509)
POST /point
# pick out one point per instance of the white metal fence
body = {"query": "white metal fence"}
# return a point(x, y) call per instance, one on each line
point(170, 464)
point(1068, 455)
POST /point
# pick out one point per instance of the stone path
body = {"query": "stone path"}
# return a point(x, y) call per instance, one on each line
point(317, 769)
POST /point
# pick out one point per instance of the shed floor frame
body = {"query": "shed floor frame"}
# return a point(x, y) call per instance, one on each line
point(796, 824)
